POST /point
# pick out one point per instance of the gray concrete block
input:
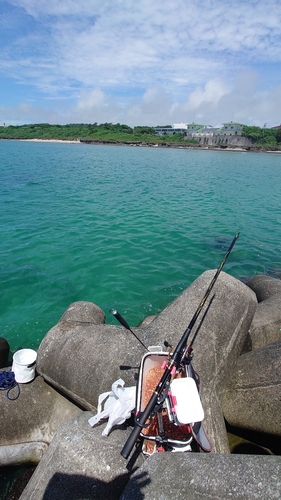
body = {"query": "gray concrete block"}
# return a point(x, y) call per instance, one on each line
point(264, 286)
point(193, 476)
point(253, 399)
point(83, 312)
point(266, 325)
point(83, 361)
point(80, 463)
point(28, 424)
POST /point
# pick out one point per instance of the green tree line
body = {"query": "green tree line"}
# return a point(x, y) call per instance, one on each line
point(85, 131)
point(121, 132)
point(263, 136)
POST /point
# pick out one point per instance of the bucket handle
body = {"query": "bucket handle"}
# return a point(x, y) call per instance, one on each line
point(31, 364)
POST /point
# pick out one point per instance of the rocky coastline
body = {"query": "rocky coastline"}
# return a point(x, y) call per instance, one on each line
point(250, 148)
point(180, 145)
point(238, 357)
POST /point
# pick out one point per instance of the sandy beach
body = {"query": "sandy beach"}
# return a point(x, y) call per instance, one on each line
point(77, 141)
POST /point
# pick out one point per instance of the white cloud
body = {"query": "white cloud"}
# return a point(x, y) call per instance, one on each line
point(213, 91)
point(211, 105)
point(188, 56)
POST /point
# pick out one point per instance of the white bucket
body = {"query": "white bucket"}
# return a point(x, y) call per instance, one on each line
point(23, 365)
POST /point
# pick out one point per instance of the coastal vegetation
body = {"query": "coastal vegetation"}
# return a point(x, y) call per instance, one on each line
point(89, 132)
point(109, 132)
point(262, 136)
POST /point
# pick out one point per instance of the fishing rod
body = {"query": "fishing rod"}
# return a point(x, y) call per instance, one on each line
point(181, 353)
point(125, 324)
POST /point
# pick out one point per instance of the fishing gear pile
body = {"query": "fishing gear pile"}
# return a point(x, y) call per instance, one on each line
point(168, 409)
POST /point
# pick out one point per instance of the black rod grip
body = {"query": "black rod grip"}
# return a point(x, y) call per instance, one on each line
point(120, 319)
point(125, 324)
point(132, 439)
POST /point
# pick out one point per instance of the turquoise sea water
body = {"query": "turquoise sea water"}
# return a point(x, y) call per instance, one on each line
point(126, 227)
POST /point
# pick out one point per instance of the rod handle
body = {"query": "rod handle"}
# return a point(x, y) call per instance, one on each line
point(132, 439)
point(120, 319)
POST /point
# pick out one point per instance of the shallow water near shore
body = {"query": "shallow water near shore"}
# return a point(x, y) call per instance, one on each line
point(126, 227)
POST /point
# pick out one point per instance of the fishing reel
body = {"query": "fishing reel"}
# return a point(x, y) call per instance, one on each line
point(169, 347)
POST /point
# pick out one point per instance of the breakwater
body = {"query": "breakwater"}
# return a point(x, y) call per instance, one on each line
point(74, 350)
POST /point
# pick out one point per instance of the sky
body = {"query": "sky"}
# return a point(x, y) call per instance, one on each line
point(140, 62)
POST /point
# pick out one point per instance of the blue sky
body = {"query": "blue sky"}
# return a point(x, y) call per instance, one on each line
point(145, 62)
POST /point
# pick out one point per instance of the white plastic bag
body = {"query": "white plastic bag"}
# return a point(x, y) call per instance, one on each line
point(120, 402)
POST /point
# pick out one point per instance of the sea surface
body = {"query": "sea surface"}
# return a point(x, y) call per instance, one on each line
point(126, 227)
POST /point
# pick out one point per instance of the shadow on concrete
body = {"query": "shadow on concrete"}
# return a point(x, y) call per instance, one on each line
point(253, 442)
point(74, 487)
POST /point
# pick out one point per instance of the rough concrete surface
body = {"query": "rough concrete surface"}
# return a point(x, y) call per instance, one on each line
point(81, 464)
point(29, 423)
point(194, 476)
point(253, 399)
point(264, 286)
point(266, 324)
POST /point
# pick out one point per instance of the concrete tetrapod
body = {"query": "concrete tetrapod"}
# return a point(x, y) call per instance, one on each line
point(29, 423)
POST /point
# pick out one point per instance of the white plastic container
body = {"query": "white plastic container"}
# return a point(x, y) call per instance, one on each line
point(23, 366)
point(186, 401)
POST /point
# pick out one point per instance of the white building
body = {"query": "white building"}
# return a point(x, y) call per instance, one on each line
point(198, 130)
point(231, 128)
point(182, 128)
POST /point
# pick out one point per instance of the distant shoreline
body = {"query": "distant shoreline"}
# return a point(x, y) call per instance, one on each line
point(47, 140)
point(254, 149)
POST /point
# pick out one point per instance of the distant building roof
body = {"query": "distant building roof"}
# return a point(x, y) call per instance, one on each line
point(233, 123)
point(180, 125)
